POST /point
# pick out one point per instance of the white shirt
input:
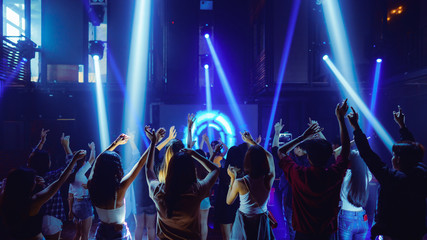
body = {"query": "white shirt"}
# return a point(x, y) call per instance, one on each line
point(76, 187)
point(346, 205)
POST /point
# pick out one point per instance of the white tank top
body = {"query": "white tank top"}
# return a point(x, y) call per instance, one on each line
point(255, 201)
point(115, 215)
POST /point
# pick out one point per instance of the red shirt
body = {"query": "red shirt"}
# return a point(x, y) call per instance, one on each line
point(315, 195)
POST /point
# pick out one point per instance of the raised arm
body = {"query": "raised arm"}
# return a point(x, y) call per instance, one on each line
point(172, 135)
point(310, 131)
point(149, 169)
point(130, 177)
point(208, 143)
point(224, 146)
point(65, 142)
point(399, 118)
point(43, 136)
point(277, 128)
point(234, 187)
point(43, 196)
point(318, 135)
point(340, 112)
point(92, 153)
point(190, 122)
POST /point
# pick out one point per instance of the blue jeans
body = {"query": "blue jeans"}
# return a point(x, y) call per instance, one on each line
point(352, 225)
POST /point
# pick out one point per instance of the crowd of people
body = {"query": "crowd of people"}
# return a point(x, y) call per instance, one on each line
point(325, 189)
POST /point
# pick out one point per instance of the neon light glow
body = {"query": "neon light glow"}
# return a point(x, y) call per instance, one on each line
point(216, 121)
point(382, 133)
point(226, 86)
point(208, 97)
point(134, 108)
point(283, 63)
point(100, 103)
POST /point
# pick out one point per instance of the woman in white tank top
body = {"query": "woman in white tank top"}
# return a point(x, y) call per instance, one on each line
point(251, 220)
point(107, 187)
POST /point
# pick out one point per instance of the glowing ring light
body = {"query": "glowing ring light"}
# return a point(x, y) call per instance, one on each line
point(215, 120)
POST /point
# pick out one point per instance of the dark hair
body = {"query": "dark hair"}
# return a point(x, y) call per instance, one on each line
point(39, 160)
point(176, 145)
point(410, 153)
point(19, 189)
point(256, 162)
point(357, 186)
point(235, 157)
point(318, 151)
point(214, 143)
point(107, 175)
point(201, 171)
point(180, 176)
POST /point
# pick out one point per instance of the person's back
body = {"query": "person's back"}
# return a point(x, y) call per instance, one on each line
point(316, 189)
point(184, 222)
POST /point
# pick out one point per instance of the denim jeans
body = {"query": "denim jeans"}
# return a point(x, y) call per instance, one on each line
point(352, 225)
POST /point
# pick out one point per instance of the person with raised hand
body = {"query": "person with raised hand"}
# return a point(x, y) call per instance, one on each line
point(80, 206)
point(178, 199)
point(316, 189)
point(39, 160)
point(20, 208)
point(145, 217)
point(107, 188)
point(253, 189)
point(401, 206)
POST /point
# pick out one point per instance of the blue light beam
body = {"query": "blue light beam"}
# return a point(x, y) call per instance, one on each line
point(138, 71)
point(226, 86)
point(208, 97)
point(382, 133)
point(375, 90)
point(100, 102)
point(282, 69)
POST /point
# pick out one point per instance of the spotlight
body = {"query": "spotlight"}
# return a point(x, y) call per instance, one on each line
point(205, 61)
point(96, 48)
point(27, 49)
point(325, 57)
point(206, 31)
point(379, 60)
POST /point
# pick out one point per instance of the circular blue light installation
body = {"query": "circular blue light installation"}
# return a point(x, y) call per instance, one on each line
point(215, 120)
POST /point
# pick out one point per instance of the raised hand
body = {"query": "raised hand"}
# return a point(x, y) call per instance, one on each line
point(79, 155)
point(232, 172)
point(65, 140)
point(206, 138)
point(218, 148)
point(311, 121)
point(399, 117)
point(278, 126)
point(150, 134)
point(91, 145)
point(43, 135)
point(247, 137)
point(312, 130)
point(258, 140)
point(341, 110)
point(172, 133)
point(190, 120)
point(353, 118)
point(121, 139)
point(40, 181)
point(160, 134)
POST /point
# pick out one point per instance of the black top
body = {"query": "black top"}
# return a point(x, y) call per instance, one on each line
point(401, 206)
point(28, 228)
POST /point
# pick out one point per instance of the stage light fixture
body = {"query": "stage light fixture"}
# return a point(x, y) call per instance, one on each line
point(96, 48)
point(96, 13)
point(382, 133)
point(27, 49)
point(206, 31)
point(379, 60)
point(205, 61)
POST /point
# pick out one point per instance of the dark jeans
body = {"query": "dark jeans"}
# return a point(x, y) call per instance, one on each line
point(352, 225)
